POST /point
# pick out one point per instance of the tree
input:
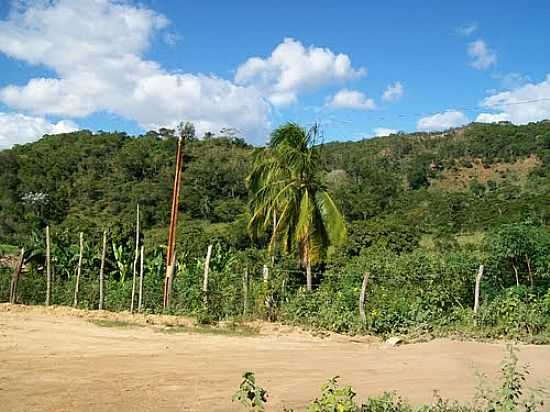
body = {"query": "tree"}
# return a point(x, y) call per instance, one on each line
point(289, 199)
point(522, 247)
point(187, 131)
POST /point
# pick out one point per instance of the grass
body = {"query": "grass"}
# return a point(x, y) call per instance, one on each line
point(233, 329)
point(230, 329)
point(8, 249)
point(111, 323)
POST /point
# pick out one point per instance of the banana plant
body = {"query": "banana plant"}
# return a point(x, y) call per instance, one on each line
point(122, 265)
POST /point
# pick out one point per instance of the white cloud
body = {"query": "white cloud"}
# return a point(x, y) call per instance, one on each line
point(16, 128)
point(491, 118)
point(95, 47)
point(293, 68)
point(467, 29)
point(481, 56)
point(393, 92)
point(383, 131)
point(351, 99)
point(524, 104)
point(441, 121)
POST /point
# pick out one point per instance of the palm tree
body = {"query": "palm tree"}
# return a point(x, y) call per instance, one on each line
point(288, 198)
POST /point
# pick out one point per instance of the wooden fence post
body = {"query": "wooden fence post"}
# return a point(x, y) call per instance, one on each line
point(476, 293)
point(48, 268)
point(245, 292)
point(136, 255)
point(362, 298)
point(78, 270)
point(102, 269)
point(205, 278)
point(140, 298)
point(15, 277)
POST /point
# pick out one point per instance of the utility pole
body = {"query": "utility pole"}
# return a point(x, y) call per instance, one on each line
point(170, 252)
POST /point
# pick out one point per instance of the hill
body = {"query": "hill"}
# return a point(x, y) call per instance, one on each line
point(423, 212)
point(421, 185)
point(437, 184)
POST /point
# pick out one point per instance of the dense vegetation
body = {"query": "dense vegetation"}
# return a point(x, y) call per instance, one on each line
point(423, 211)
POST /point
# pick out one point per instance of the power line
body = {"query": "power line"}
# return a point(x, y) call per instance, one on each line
point(345, 122)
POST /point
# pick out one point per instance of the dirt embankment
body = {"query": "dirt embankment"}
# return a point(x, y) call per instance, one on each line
point(59, 359)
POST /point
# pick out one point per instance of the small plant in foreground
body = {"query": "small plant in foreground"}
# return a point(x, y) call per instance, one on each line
point(508, 396)
point(334, 398)
point(251, 395)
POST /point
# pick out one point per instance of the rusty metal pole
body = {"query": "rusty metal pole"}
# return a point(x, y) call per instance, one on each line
point(170, 253)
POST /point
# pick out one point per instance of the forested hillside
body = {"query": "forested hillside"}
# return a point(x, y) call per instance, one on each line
point(423, 210)
point(398, 188)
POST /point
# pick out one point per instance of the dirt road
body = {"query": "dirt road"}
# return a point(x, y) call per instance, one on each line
point(57, 360)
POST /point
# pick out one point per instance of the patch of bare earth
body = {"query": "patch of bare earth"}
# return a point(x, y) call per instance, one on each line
point(458, 179)
point(56, 359)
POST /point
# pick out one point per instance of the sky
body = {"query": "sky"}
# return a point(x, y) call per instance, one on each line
point(357, 68)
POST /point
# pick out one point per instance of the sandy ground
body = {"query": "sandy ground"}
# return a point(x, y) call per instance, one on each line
point(55, 359)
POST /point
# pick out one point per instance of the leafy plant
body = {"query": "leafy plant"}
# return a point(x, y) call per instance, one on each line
point(250, 394)
point(509, 396)
point(334, 398)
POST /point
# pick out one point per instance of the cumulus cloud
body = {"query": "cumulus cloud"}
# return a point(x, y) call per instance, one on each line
point(524, 104)
point(292, 69)
point(482, 57)
point(96, 48)
point(441, 121)
point(383, 131)
point(16, 128)
point(351, 99)
point(492, 117)
point(393, 92)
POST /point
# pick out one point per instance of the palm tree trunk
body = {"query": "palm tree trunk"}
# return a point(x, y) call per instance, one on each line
point(307, 263)
point(309, 279)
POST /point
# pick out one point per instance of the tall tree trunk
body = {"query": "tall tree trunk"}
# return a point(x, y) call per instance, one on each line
point(102, 269)
point(516, 272)
point(48, 268)
point(78, 270)
point(15, 277)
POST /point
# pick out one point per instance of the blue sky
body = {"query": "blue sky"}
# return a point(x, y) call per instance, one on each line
point(358, 68)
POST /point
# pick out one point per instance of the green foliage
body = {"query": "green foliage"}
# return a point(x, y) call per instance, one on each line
point(251, 395)
point(520, 250)
point(392, 194)
point(288, 197)
point(334, 398)
point(508, 396)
